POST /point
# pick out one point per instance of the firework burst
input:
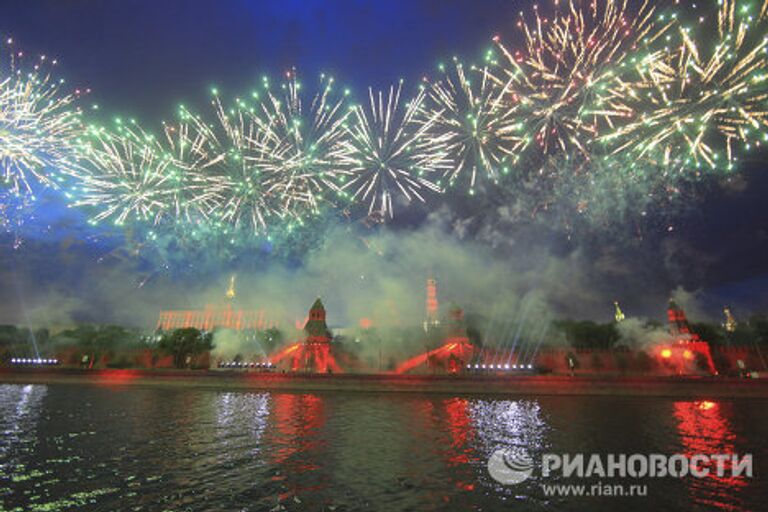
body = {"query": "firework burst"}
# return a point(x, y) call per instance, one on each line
point(125, 176)
point(389, 152)
point(38, 125)
point(194, 152)
point(559, 80)
point(298, 144)
point(695, 103)
point(470, 119)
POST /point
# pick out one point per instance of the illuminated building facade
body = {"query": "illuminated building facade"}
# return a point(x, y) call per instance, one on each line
point(224, 316)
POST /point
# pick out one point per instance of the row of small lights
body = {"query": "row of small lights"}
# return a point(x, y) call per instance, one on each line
point(235, 364)
point(500, 367)
point(34, 361)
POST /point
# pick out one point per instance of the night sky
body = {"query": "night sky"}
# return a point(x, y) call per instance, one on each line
point(143, 57)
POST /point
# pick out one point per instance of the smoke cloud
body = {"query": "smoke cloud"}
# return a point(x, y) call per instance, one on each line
point(501, 278)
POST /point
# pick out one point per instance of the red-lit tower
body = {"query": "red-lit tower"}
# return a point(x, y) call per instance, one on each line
point(432, 306)
point(687, 353)
point(316, 354)
point(316, 328)
point(678, 323)
point(312, 353)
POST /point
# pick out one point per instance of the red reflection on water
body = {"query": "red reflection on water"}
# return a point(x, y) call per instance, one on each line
point(460, 428)
point(115, 377)
point(460, 452)
point(297, 419)
point(704, 429)
point(451, 431)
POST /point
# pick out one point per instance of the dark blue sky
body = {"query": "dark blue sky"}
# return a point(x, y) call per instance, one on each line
point(143, 57)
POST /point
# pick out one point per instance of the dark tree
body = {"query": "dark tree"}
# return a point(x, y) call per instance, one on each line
point(588, 334)
point(711, 333)
point(185, 343)
point(270, 338)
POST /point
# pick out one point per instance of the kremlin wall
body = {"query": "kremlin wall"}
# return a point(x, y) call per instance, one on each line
point(313, 350)
point(440, 345)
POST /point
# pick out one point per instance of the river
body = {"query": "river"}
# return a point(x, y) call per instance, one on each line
point(110, 448)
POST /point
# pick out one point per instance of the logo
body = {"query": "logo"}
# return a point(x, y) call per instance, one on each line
point(510, 466)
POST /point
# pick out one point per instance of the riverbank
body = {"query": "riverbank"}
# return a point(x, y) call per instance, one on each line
point(691, 387)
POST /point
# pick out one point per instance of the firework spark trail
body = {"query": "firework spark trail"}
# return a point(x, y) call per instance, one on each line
point(299, 145)
point(693, 102)
point(479, 132)
point(125, 177)
point(557, 81)
point(389, 153)
point(39, 125)
point(194, 151)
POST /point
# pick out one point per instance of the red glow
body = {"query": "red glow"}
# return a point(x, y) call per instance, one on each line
point(365, 323)
point(297, 419)
point(276, 358)
point(116, 377)
point(460, 349)
point(301, 323)
point(704, 429)
point(312, 357)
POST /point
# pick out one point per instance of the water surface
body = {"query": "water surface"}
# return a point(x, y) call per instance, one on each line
point(70, 447)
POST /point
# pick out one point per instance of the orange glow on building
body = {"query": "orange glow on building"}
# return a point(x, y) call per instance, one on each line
point(213, 317)
point(223, 316)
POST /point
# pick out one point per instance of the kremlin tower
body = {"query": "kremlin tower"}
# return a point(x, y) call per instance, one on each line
point(678, 324)
point(431, 319)
point(316, 329)
point(687, 353)
point(313, 352)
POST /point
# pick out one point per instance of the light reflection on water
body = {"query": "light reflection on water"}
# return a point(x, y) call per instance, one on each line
point(122, 448)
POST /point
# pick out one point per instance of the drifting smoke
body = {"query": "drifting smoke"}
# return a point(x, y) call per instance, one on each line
point(641, 334)
point(510, 284)
point(229, 344)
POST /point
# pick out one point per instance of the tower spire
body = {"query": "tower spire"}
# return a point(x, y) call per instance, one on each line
point(231, 293)
point(619, 316)
point(730, 321)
